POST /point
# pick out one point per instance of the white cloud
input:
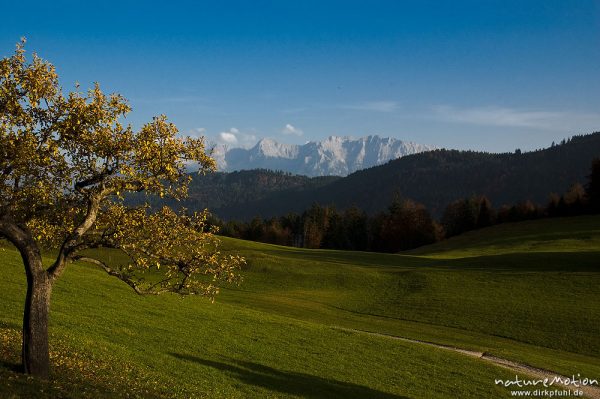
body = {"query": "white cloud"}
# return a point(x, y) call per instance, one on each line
point(291, 130)
point(510, 117)
point(376, 106)
point(235, 138)
point(228, 138)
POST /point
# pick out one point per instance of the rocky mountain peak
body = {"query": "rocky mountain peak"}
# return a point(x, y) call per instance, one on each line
point(336, 155)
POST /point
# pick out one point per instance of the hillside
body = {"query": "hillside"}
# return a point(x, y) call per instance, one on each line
point(465, 292)
point(220, 191)
point(435, 179)
point(278, 334)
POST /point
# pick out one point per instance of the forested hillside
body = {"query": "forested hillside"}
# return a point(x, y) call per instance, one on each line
point(439, 177)
point(434, 178)
point(221, 191)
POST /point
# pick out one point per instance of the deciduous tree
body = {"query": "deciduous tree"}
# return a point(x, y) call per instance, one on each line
point(66, 161)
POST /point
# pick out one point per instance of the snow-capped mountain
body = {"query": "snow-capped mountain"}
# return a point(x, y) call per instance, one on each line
point(334, 156)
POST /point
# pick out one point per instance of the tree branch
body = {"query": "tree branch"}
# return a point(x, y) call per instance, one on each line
point(98, 178)
point(115, 273)
point(21, 238)
point(61, 260)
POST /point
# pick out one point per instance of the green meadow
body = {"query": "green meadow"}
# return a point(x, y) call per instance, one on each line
point(297, 325)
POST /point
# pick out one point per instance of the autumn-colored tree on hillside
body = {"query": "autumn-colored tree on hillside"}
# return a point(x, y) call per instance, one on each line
point(406, 225)
point(66, 161)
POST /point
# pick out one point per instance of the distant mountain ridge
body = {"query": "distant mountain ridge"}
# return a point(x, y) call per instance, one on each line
point(334, 156)
point(433, 178)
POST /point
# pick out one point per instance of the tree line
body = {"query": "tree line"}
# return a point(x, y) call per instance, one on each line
point(407, 224)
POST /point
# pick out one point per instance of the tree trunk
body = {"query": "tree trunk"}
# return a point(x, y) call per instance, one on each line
point(36, 358)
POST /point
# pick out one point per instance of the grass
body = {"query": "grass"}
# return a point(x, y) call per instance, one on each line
point(507, 290)
point(574, 234)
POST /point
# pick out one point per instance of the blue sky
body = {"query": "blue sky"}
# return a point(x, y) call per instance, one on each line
point(485, 75)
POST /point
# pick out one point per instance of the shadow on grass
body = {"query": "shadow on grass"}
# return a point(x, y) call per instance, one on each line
point(11, 366)
point(292, 383)
point(11, 326)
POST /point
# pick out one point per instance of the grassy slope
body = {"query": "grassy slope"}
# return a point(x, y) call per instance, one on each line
point(567, 235)
point(108, 342)
point(271, 337)
point(527, 291)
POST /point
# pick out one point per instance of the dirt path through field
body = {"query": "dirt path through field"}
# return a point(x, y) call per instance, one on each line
point(592, 392)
